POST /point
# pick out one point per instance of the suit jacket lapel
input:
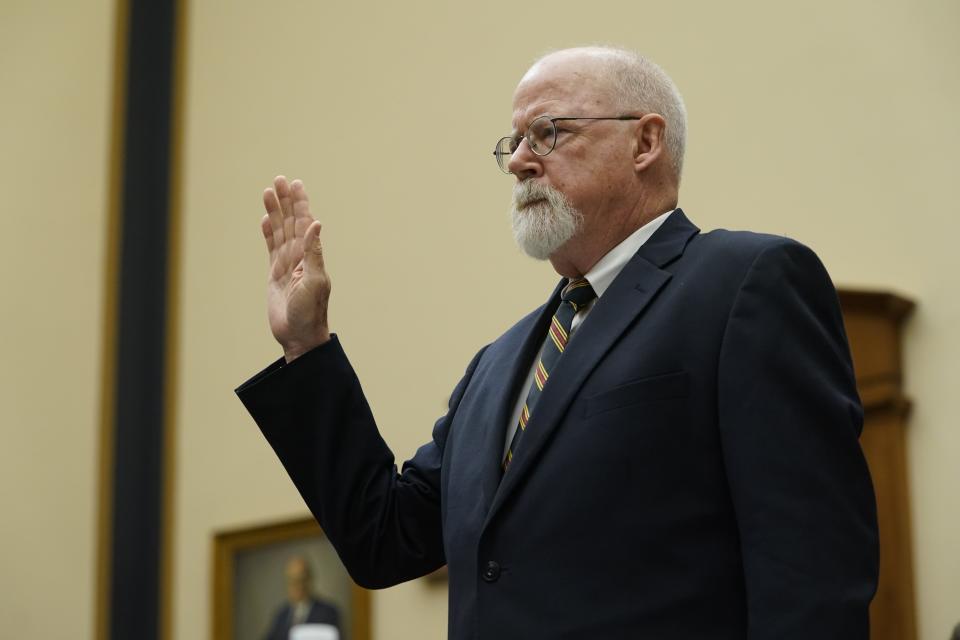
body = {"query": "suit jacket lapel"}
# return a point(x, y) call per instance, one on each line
point(514, 375)
point(626, 298)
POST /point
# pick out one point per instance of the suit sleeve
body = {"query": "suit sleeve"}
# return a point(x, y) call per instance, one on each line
point(385, 525)
point(790, 419)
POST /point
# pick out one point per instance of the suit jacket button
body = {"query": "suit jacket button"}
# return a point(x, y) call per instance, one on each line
point(491, 572)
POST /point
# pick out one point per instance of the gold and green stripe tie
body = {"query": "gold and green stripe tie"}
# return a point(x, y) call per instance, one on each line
point(577, 294)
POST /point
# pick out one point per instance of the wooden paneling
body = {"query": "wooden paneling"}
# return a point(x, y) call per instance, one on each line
point(873, 321)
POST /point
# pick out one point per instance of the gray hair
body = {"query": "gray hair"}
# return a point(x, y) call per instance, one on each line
point(641, 84)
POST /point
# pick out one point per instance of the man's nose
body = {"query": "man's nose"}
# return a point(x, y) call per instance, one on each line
point(524, 163)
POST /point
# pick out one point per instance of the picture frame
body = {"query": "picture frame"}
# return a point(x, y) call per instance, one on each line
point(248, 579)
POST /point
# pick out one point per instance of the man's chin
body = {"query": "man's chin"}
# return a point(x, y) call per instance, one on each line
point(539, 249)
point(540, 231)
point(536, 255)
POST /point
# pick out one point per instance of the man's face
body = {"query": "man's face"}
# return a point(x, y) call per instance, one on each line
point(298, 580)
point(588, 165)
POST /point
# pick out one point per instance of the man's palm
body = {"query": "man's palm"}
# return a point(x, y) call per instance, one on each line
point(298, 290)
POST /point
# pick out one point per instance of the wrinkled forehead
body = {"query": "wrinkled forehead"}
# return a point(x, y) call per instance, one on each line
point(561, 86)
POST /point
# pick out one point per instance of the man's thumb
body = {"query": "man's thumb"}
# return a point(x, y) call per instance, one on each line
point(312, 249)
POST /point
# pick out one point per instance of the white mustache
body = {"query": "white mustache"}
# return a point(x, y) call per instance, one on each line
point(527, 193)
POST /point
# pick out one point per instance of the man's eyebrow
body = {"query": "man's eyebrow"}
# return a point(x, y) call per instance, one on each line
point(515, 133)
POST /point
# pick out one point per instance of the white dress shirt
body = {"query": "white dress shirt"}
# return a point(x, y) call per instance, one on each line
point(600, 276)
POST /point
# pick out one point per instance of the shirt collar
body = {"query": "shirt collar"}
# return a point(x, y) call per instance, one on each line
point(602, 274)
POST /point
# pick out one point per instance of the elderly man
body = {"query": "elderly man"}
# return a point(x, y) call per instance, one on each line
point(668, 448)
point(302, 606)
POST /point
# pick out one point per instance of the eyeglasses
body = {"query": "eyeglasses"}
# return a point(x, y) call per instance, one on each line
point(541, 135)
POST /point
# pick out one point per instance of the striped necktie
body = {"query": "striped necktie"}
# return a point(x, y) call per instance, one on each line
point(575, 296)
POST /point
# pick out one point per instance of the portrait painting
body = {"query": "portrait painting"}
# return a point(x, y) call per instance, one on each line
point(277, 577)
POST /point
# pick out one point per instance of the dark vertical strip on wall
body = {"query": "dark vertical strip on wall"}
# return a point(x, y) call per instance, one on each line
point(137, 514)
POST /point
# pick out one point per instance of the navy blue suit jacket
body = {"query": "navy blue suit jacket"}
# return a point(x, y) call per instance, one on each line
point(691, 470)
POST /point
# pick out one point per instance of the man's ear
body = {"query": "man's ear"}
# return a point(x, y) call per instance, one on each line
point(649, 145)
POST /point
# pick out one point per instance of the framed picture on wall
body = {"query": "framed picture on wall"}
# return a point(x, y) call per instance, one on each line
point(268, 579)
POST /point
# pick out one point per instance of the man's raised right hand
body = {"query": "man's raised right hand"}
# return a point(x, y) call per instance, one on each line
point(298, 290)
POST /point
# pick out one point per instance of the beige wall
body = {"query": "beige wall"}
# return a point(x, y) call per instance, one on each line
point(56, 63)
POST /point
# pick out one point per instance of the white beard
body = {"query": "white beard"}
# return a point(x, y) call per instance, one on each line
point(543, 219)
